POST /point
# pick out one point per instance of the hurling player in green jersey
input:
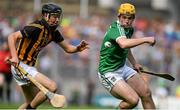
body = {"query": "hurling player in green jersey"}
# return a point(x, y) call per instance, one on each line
point(120, 80)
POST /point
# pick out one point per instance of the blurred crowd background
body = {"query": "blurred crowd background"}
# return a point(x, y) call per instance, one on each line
point(88, 20)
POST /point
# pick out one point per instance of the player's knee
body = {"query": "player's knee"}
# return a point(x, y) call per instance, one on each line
point(129, 104)
point(146, 93)
point(134, 101)
point(53, 87)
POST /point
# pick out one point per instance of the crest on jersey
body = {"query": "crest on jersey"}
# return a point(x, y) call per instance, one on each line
point(107, 44)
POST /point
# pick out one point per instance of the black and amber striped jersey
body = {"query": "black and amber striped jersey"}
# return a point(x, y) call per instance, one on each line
point(35, 36)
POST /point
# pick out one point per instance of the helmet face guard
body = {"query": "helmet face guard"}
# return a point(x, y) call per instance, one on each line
point(57, 15)
point(54, 10)
point(54, 15)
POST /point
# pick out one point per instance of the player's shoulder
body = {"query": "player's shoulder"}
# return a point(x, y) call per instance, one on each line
point(32, 28)
point(114, 24)
point(36, 24)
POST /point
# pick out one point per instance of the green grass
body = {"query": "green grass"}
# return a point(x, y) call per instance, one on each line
point(44, 106)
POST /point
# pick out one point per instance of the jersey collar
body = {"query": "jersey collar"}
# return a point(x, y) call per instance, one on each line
point(118, 22)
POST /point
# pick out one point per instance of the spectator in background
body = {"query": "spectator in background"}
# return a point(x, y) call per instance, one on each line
point(5, 70)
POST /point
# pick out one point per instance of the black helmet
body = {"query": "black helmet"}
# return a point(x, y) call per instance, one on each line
point(51, 8)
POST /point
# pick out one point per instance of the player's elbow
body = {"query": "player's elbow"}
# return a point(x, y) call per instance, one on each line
point(123, 44)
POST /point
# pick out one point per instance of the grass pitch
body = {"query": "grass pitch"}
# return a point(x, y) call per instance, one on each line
point(47, 106)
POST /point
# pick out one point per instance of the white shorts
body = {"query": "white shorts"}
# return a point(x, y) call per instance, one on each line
point(108, 80)
point(31, 70)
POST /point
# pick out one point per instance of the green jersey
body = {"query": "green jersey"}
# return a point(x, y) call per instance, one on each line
point(112, 56)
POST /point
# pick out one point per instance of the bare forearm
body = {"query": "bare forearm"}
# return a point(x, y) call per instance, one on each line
point(131, 58)
point(72, 49)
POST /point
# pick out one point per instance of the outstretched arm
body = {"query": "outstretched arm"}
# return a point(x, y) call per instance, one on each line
point(129, 43)
point(73, 49)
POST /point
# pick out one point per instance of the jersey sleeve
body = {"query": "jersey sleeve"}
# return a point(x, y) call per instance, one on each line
point(57, 37)
point(30, 31)
point(116, 33)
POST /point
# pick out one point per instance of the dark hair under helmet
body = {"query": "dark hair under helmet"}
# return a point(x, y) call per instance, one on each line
point(52, 8)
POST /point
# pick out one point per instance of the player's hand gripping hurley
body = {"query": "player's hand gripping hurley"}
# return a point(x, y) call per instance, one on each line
point(55, 99)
